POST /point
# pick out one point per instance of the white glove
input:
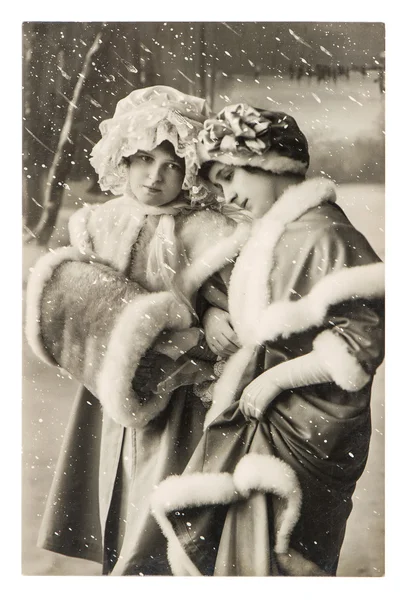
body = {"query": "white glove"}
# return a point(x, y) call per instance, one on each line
point(309, 369)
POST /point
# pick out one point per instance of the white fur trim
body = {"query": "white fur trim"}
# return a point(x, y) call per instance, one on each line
point(193, 489)
point(225, 388)
point(135, 331)
point(269, 474)
point(254, 472)
point(251, 274)
point(213, 259)
point(343, 367)
point(38, 279)
point(271, 161)
point(182, 491)
point(287, 317)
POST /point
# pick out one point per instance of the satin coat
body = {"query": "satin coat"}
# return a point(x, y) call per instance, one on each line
point(98, 507)
point(320, 433)
point(229, 513)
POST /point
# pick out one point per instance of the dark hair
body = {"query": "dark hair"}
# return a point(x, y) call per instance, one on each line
point(298, 177)
point(204, 170)
point(165, 143)
point(206, 167)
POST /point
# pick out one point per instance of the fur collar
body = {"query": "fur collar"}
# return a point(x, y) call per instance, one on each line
point(248, 285)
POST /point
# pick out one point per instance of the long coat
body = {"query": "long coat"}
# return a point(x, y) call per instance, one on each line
point(89, 311)
point(273, 497)
point(254, 499)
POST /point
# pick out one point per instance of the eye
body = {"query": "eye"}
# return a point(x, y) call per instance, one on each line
point(174, 167)
point(227, 175)
point(142, 157)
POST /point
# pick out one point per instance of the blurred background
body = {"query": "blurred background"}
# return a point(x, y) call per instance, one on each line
point(329, 76)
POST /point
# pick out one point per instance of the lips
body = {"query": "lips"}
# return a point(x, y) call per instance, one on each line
point(152, 190)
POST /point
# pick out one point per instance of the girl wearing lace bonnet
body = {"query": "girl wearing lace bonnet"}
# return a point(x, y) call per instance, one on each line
point(142, 121)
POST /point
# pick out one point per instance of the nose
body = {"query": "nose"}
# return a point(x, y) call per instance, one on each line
point(231, 197)
point(155, 173)
point(228, 194)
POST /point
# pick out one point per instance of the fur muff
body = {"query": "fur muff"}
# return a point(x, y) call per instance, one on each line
point(107, 363)
point(39, 278)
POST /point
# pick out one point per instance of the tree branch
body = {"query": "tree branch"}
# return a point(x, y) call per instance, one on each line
point(59, 170)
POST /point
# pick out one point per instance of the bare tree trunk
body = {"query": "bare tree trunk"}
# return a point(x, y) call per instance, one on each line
point(210, 52)
point(202, 48)
point(59, 168)
point(33, 174)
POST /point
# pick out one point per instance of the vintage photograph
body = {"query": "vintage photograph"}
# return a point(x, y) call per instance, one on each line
point(203, 298)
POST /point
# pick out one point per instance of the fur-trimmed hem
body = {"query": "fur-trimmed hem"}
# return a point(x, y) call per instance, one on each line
point(344, 368)
point(136, 329)
point(181, 491)
point(254, 472)
point(269, 474)
point(38, 279)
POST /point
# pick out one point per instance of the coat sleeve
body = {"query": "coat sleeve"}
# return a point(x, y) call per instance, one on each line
point(351, 334)
point(96, 324)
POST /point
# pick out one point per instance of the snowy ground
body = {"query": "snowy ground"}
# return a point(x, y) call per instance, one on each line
point(348, 111)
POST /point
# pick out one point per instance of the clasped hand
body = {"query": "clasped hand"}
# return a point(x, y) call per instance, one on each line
point(258, 395)
point(219, 333)
point(223, 341)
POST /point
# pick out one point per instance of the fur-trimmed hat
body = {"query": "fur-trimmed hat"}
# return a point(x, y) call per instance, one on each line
point(143, 120)
point(245, 136)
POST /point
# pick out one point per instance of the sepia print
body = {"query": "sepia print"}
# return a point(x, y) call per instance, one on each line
point(203, 289)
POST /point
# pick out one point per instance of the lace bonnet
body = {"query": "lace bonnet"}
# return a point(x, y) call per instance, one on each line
point(143, 120)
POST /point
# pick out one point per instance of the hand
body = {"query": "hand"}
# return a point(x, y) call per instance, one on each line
point(219, 333)
point(258, 395)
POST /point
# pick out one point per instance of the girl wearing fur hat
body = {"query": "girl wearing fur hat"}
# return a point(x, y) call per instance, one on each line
point(269, 488)
point(118, 310)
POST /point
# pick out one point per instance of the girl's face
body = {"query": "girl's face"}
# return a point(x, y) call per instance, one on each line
point(156, 175)
point(251, 190)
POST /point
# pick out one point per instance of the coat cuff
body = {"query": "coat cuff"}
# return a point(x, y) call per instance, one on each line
point(133, 334)
point(344, 368)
